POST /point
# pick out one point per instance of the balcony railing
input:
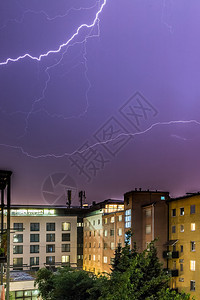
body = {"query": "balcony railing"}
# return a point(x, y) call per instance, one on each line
point(172, 273)
point(170, 254)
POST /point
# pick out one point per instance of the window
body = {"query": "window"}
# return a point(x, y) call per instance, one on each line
point(94, 233)
point(162, 197)
point(90, 233)
point(94, 257)
point(181, 267)
point(35, 227)
point(50, 260)
point(174, 212)
point(192, 226)
point(148, 212)
point(120, 231)
point(34, 261)
point(66, 226)
point(18, 249)
point(94, 245)
point(89, 245)
point(34, 248)
point(18, 226)
point(127, 201)
point(80, 257)
point(65, 237)
point(181, 248)
point(65, 247)
point(112, 232)
point(50, 248)
point(98, 257)
point(128, 218)
point(192, 209)
point(105, 232)
point(93, 222)
point(105, 221)
point(193, 246)
point(192, 265)
point(182, 211)
point(89, 256)
point(173, 229)
point(105, 259)
point(98, 221)
point(112, 220)
point(182, 228)
point(18, 238)
point(181, 279)
point(148, 229)
point(65, 259)
point(120, 218)
point(50, 237)
point(112, 246)
point(192, 285)
point(105, 246)
point(18, 263)
point(50, 226)
point(34, 237)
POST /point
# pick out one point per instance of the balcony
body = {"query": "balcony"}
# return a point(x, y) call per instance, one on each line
point(172, 273)
point(169, 254)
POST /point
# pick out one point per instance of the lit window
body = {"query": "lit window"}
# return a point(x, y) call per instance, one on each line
point(34, 261)
point(105, 232)
point(105, 259)
point(182, 228)
point(192, 285)
point(193, 246)
point(94, 257)
point(162, 197)
point(65, 259)
point(148, 229)
point(112, 246)
point(192, 209)
point(120, 218)
point(192, 226)
point(174, 212)
point(18, 238)
point(181, 279)
point(182, 211)
point(128, 218)
point(120, 231)
point(18, 263)
point(66, 226)
point(112, 220)
point(192, 265)
point(105, 221)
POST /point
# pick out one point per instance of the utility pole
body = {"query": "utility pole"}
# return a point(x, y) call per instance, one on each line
point(2, 221)
point(5, 187)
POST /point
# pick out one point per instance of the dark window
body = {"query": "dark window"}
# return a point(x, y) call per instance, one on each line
point(89, 245)
point(50, 260)
point(18, 238)
point(50, 248)
point(18, 226)
point(174, 229)
point(181, 267)
point(193, 246)
point(65, 237)
point(98, 221)
point(18, 263)
point(50, 237)
point(50, 226)
point(112, 232)
point(192, 285)
point(192, 209)
point(34, 237)
point(18, 249)
point(89, 256)
point(65, 247)
point(182, 211)
point(34, 261)
point(181, 248)
point(174, 212)
point(35, 227)
point(34, 249)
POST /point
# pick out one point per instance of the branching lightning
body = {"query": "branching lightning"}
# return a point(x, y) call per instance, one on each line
point(167, 123)
point(39, 58)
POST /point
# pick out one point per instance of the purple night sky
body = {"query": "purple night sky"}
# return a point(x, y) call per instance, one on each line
point(116, 108)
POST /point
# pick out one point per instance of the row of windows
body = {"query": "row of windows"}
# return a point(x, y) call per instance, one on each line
point(93, 257)
point(66, 226)
point(93, 223)
point(106, 221)
point(18, 262)
point(112, 232)
point(192, 228)
point(182, 212)
point(35, 248)
point(105, 245)
point(18, 238)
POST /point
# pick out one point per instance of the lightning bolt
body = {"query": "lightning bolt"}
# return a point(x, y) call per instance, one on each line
point(41, 56)
point(150, 128)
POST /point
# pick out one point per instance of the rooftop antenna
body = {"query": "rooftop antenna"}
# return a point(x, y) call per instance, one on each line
point(82, 198)
point(69, 198)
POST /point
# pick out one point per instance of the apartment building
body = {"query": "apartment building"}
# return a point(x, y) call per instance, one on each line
point(146, 214)
point(182, 251)
point(100, 235)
